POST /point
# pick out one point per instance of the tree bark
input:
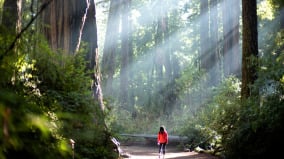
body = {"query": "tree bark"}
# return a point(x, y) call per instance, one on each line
point(231, 38)
point(125, 53)
point(213, 68)
point(88, 33)
point(204, 33)
point(204, 55)
point(11, 17)
point(250, 47)
point(227, 36)
point(57, 24)
point(110, 51)
point(10, 13)
point(236, 54)
point(282, 18)
point(67, 23)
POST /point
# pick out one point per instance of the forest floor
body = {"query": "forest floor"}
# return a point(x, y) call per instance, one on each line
point(151, 152)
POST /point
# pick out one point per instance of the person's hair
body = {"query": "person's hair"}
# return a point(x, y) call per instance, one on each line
point(162, 129)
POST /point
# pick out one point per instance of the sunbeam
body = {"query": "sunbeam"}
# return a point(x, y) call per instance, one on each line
point(166, 50)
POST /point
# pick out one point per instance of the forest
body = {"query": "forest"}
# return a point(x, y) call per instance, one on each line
point(76, 73)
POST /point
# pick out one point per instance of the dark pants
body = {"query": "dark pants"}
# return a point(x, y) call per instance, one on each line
point(162, 147)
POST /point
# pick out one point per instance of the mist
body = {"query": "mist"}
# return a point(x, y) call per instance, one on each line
point(167, 83)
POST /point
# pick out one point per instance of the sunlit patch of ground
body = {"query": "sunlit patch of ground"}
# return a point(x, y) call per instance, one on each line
point(151, 152)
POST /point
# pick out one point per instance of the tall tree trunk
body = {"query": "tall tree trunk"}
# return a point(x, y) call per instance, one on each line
point(109, 62)
point(67, 23)
point(159, 57)
point(231, 38)
point(281, 26)
point(204, 33)
point(57, 18)
point(250, 47)
point(162, 59)
point(11, 26)
point(90, 36)
point(227, 36)
point(236, 54)
point(19, 16)
point(213, 68)
point(11, 17)
point(282, 18)
point(204, 47)
point(171, 66)
point(125, 53)
point(10, 13)
point(131, 99)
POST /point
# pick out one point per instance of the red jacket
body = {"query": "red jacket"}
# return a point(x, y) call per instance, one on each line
point(163, 138)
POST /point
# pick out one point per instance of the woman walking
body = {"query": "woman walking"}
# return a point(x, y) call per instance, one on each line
point(162, 141)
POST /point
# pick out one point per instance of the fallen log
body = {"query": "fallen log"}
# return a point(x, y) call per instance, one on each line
point(150, 138)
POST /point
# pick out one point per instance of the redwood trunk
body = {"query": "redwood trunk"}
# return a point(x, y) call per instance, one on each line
point(250, 47)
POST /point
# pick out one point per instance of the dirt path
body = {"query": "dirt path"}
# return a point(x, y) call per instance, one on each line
point(151, 152)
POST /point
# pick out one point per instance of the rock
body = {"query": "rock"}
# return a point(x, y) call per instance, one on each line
point(186, 149)
point(199, 149)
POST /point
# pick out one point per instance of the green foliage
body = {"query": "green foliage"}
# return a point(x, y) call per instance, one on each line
point(26, 129)
point(194, 133)
point(214, 123)
point(259, 128)
point(45, 99)
point(265, 10)
point(244, 130)
point(80, 118)
point(277, 3)
point(252, 129)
